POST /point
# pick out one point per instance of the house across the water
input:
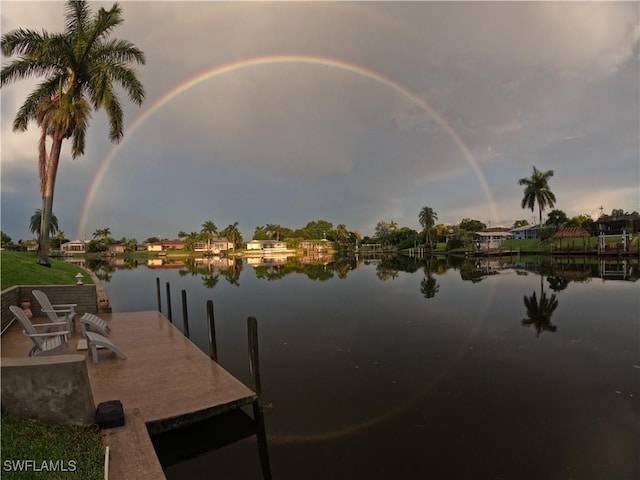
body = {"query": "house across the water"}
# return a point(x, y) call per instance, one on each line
point(74, 246)
point(525, 232)
point(491, 238)
point(616, 225)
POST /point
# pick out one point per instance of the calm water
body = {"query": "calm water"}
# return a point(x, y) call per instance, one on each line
point(411, 369)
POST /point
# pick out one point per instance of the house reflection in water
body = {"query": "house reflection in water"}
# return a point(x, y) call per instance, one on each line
point(273, 259)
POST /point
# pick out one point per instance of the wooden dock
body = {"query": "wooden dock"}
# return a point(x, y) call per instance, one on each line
point(166, 381)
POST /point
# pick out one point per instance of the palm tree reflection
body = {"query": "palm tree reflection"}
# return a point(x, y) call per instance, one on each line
point(429, 286)
point(539, 312)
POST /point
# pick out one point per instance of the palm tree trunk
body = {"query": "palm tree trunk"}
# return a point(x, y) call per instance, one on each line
point(47, 200)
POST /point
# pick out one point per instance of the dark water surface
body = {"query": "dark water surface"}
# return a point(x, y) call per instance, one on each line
point(404, 368)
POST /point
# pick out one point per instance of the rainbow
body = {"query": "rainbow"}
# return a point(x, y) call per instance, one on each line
point(275, 60)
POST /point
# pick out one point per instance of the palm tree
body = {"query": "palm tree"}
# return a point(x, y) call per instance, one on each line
point(58, 238)
point(210, 230)
point(274, 230)
point(80, 67)
point(35, 223)
point(102, 233)
point(537, 190)
point(232, 233)
point(427, 218)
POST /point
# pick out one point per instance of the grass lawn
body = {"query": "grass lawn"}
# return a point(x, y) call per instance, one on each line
point(79, 450)
point(68, 451)
point(20, 268)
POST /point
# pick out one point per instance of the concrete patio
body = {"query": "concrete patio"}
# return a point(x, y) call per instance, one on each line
point(165, 381)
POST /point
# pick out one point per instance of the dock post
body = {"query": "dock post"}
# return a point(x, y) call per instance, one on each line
point(213, 348)
point(185, 315)
point(158, 294)
point(254, 361)
point(169, 303)
point(258, 413)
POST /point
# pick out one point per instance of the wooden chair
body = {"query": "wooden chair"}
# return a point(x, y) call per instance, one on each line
point(95, 340)
point(93, 323)
point(44, 343)
point(56, 313)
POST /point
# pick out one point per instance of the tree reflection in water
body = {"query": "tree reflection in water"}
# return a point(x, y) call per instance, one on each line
point(429, 286)
point(539, 312)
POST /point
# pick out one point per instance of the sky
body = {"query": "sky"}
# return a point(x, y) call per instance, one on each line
point(350, 112)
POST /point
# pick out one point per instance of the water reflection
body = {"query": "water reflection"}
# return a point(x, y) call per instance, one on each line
point(558, 272)
point(211, 268)
point(429, 285)
point(426, 351)
point(539, 312)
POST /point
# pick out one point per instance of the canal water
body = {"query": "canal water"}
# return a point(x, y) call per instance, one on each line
point(408, 368)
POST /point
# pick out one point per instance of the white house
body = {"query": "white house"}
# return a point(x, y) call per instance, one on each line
point(267, 246)
point(491, 240)
point(216, 245)
point(74, 246)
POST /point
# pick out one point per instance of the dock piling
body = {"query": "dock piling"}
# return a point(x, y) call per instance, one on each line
point(158, 294)
point(258, 412)
point(169, 316)
point(213, 348)
point(185, 314)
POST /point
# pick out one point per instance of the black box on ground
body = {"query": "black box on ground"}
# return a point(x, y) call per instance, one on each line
point(110, 414)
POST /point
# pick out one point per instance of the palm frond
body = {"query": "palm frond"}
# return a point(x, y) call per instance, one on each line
point(76, 16)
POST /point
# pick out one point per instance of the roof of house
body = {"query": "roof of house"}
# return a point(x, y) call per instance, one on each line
point(618, 218)
point(498, 228)
point(525, 227)
point(568, 232)
point(493, 234)
point(74, 241)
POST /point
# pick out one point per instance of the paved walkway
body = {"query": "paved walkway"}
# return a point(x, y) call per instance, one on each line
point(165, 381)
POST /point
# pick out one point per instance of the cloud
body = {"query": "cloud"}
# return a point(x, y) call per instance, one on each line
point(509, 85)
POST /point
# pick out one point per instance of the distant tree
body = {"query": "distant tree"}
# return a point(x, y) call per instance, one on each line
point(58, 239)
point(274, 231)
point(537, 191)
point(617, 212)
point(471, 225)
point(341, 233)
point(35, 223)
point(102, 234)
point(5, 240)
point(585, 221)
point(210, 230)
point(403, 237)
point(455, 242)
point(190, 239)
point(442, 231)
point(427, 218)
point(232, 233)
point(317, 230)
point(556, 218)
point(382, 230)
point(95, 246)
point(260, 233)
point(152, 240)
point(520, 223)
